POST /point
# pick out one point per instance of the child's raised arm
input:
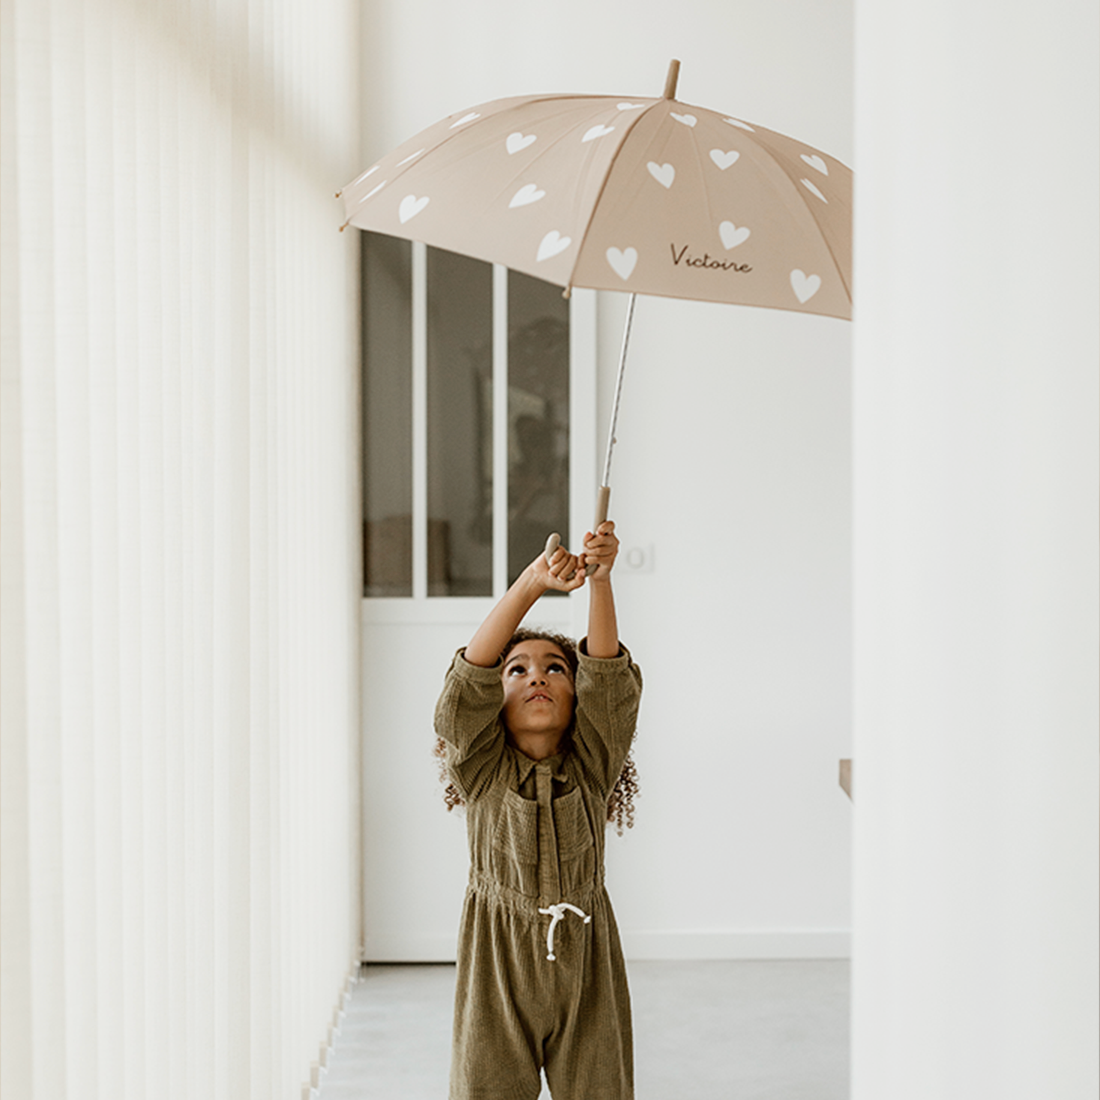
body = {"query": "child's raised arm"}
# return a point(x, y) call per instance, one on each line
point(600, 550)
point(501, 623)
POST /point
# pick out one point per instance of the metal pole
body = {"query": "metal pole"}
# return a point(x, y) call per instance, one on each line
point(605, 485)
point(603, 497)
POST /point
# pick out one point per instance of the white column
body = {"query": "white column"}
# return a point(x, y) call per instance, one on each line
point(975, 454)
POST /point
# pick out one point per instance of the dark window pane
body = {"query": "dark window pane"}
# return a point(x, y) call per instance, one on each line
point(460, 465)
point(387, 415)
point(538, 418)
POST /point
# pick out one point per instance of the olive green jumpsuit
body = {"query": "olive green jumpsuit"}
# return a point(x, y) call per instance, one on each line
point(541, 982)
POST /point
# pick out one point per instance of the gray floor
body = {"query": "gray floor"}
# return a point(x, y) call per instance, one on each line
point(704, 1030)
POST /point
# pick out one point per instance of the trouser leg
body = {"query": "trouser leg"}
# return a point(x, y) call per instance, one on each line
point(589, 1054)
point(497, 1050)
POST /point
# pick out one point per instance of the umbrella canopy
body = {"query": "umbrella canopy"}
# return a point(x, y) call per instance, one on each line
point(648, 196)
point(651, 196)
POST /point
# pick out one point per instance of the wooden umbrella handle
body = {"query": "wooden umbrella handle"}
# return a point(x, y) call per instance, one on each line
point(603, 499)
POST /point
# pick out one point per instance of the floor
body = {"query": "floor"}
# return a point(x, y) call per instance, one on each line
point(750, 1030)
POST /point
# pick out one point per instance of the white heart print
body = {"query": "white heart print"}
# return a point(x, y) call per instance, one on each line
point(596, 131)
point(687, 120)
point(411, 206)
point(373, 191)
point(629, 106)
point(740, 124)
point(664, 174)
point(816, 162)
point(466, 118)
point(528, 193)
point(724, 159)
point(411, 156)
point(813, 190)
point(733, 235)
point(551, 245)
point(805, 286)
point(517, 141)
point(622, 263)
point(359, 179)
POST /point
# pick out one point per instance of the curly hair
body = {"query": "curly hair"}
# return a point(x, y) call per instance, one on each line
point(620, 803)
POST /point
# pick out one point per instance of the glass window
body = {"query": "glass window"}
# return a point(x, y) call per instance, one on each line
point(447, 365)
point(460, 420)
point(538, 418)
point(387, 415)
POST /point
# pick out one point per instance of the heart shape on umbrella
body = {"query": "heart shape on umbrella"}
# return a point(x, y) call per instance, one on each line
point(552, 244)
point(517, 141)
point(805, 286)
point(411, 206)
point(724, 159)
point(664, 174)
point(359, 179)
point(596, 131)
point(373, 191)
point(687, 120)
point(528, 193)
point(813, 190)
point(815, 161)
point(733, 235)
point(622, 262)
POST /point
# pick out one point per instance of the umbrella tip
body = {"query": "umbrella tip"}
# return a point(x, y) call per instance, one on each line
point(672, 78)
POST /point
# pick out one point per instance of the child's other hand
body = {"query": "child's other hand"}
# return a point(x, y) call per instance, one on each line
point(563, 573)
point(601, 549)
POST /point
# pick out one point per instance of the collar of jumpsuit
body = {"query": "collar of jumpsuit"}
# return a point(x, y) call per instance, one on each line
point(546, 771)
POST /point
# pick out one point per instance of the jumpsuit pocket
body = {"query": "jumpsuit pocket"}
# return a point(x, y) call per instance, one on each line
point(515, 846)
point(576, 847)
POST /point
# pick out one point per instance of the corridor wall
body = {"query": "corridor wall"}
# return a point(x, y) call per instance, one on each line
point(179, 694)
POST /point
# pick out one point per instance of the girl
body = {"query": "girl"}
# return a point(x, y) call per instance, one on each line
point(537, 734)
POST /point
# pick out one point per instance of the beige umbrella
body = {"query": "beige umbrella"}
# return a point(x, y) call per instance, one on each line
point(648, 196)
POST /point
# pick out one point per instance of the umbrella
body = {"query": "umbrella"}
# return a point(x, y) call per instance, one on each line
point(644, 195)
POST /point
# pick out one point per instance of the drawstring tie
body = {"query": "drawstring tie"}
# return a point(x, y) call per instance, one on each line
point(556, 913)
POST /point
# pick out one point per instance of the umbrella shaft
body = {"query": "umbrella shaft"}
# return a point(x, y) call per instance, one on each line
point(618, 393)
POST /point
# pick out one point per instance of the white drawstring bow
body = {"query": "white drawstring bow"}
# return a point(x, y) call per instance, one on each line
point(556, 913)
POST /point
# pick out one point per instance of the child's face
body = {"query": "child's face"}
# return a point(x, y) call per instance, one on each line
point(538, 689)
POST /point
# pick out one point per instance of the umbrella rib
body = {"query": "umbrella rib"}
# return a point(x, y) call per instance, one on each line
point(809, 208)
point(603, 186)
point(804, 203)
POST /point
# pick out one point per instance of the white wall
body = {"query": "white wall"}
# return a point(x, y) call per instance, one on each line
point(180, 547)
point(733, 466)
point(976, 438)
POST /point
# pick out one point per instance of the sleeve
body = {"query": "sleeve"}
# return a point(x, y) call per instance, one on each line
point(608, 693)
point(467, 717)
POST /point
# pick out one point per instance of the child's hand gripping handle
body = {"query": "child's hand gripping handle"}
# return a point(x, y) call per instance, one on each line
point(603, 499)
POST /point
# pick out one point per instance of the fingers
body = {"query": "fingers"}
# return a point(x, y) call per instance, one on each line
point(566, 571)
point(604, 536)
point(602, 547)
